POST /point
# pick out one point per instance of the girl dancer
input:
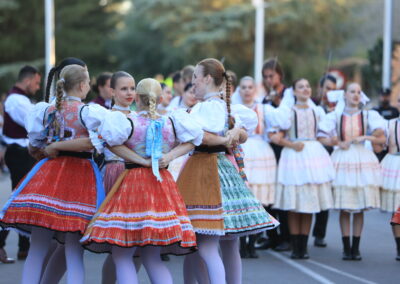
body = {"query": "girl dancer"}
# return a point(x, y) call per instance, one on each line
point(305, 169)
point(390, 190)
point(358, 174)
point(144, 207)
point(54, 264)
point(217, 199)
point(259, 159)
point(187, 101)
point(123, 92)
point(59, 196)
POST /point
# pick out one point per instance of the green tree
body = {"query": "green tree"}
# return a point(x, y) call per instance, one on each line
point(162, 36)
point(372, 73)
point(82, 29)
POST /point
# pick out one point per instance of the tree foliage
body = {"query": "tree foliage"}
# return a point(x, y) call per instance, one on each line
point(372, 73)
point(82, 29)
point(162, 36)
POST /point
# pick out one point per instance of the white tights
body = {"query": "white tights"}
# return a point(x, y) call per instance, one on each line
point(40, 243)
point(232, 260)
point(208, 251)
point(74, 259)
point(108, 271)
point(156, 269)
point(124, 268)
point(56, 265)
point(194, 270)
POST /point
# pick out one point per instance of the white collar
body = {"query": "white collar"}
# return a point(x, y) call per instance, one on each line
point(72, 98)
point(117, 107)
point(211, 95)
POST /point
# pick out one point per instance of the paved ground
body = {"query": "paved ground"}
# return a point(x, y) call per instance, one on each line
point(325, 265)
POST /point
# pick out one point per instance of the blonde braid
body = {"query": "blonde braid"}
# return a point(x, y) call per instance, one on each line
point(152, 105)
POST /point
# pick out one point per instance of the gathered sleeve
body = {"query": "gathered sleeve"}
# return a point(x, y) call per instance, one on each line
point(280, 119)
point(115, 129)
point(186, 128)
point(92, 116)
point(244, 117)
point(34, 125)
point(376, 121)
point(210, 115)
point(327, 126)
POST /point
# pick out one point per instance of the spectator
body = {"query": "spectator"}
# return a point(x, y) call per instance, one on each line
point(16, 106)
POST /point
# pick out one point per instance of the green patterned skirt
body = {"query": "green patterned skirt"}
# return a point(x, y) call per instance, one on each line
point(243, 214)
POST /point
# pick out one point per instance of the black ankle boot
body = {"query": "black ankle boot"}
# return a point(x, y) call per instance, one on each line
point(250, 247)
point(398, 248)
point(295, 247)
point(346, 248)
point(303, 247)
point(243, 248)
point(355, 251)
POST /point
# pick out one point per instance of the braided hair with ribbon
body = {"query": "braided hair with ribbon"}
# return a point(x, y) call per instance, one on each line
point(149, 91)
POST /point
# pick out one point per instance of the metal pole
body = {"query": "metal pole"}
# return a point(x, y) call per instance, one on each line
point(387, 45)
point(49, 35)
point(259, 44)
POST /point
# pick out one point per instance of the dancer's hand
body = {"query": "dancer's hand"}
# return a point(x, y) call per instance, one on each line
point(146, 163)
point(234, 136)
point(360, 139)
point(298, 146)
point(164, 161)
point(344, 145)
point(51, 151)
point(36, 153)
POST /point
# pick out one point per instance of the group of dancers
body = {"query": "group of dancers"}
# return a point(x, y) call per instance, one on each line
point(303, 178)
point(192, 175)
point(139, 205)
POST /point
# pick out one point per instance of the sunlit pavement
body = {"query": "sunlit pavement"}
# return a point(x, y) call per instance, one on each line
point(324, 266)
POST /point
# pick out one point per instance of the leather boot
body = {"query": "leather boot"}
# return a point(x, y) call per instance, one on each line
point(346, 248)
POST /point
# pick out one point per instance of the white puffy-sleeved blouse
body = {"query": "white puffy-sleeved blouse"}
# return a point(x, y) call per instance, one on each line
point(349, 126)
point(299, 123)
point(117, 128)
point(212, 116)
point(79, 120)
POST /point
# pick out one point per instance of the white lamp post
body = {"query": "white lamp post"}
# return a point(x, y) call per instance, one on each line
point(49, 35)
point(387, 45)
point(259, 44)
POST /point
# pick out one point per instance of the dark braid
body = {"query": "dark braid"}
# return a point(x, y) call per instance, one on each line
point(231, 122)
point(55, 72)
point(59, 93)
point(48, 84)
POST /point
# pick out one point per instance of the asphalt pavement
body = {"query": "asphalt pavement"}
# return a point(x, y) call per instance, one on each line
point(324, 266)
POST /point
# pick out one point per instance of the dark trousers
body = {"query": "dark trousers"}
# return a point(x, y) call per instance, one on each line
point(19, 163)
point(381, 155)
point(321, 221)
point(281, 233)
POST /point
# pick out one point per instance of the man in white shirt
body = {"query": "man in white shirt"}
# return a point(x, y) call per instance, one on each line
point(16, 106)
